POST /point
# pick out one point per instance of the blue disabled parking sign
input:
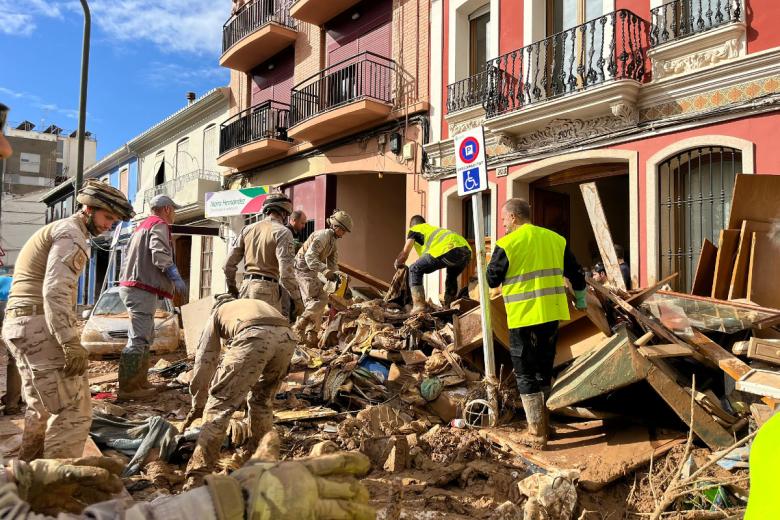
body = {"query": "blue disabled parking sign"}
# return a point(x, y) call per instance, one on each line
point(470, 162)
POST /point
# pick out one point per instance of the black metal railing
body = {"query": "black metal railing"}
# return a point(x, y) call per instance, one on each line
point(252, 17)
point(268, 120)
point(607, 48)
point(681, 18)
point(366, 75)
point(467, 92)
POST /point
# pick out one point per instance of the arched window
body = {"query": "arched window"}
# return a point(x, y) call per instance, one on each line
point(183, 158)
point(694, 197)
point(159, 168)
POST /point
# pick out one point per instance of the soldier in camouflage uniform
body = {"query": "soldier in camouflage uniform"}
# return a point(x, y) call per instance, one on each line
point(266, 247)
point(40, 324)
point(259, 348)
point(319, 254)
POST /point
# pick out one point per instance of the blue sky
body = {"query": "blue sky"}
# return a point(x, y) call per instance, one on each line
point(145, 55)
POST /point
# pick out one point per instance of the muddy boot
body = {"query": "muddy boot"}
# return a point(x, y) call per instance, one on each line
point(300, 327)
point(418, 299)
point(33, 438)
point(131, 377)
point(449, 297)
point(143, 373)
point(195, 413)
point(536, 414)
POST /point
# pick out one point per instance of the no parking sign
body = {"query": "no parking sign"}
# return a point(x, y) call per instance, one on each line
point(470, 162)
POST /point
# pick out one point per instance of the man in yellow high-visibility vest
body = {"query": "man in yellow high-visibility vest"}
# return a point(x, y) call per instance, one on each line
point(530, 262)
point(438, 248)
point(764, 461)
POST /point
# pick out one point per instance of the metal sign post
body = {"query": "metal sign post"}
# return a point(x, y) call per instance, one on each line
point(471, 168)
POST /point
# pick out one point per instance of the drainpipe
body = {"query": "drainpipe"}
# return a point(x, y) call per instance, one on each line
point(82, 101)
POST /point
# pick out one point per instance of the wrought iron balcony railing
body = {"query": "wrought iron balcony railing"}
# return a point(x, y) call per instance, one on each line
point(365, 76)
point(607, 48)
point(175, 186)
point(467, 92)
point(268, 120)
point(252, 17)
point(682, 18)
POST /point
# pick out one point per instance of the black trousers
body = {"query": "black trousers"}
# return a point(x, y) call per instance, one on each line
point(454, 261)
point(533, 353)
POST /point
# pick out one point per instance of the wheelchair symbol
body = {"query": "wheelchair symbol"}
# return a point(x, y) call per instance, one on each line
point(470, 183)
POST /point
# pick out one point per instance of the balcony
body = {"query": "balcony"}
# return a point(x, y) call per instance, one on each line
point(343, 97)
point(467, 93)
point(546, 80)
point(188, 190)
point(317, 12)
point(259, 30)
point(683, 18)
point(254, 135)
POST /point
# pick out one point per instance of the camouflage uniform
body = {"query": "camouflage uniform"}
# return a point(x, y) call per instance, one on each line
point(259, 348)
point(266, 247)
point(317, 255)
point(39, 319)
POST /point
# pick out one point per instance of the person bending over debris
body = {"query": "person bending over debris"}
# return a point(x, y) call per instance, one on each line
point(266, 247)
point(323, 487)
point(529, 262)
point(40, 324)
point(148, 273)
point(318, 254)
point(260, 346)
point(437, 248)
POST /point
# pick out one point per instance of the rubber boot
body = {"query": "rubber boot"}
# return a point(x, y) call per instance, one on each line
point(130, 378)
point(418, 299)
point(449, 297)
point(536, 414)
point(143, 374)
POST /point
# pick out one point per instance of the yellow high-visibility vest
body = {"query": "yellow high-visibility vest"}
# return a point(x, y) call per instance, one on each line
point(436, 240)
point(764, 459)
point(533, 289)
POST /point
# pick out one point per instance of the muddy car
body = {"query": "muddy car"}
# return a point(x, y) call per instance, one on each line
point(105, 332)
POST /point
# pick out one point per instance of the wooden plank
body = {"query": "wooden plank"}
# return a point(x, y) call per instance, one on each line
point(764, 284)
point(596, 314)
point(666, 350)
point(705, 269)
point(577, 340)
point(639, 298)
point(739, 275)
point(724, 263)
point(105, 378)
point(760, 382)
point(754, 198)
point(603, 236)
point(468, 327)
point(364, 277)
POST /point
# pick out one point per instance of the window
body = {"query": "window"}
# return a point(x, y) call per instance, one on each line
point(308, 230)
point(183, 157)
point(694, 197)
point(206, 258)
point(159, 168)
point(468, 217)
point(575, 50)
point(210, 148)
point(478, 41)
point(123, 180)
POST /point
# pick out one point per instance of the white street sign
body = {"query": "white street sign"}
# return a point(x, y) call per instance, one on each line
point(470, 162)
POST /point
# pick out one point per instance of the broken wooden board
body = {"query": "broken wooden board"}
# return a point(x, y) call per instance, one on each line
point(761, 413)
point(705, 269)
point(315, 412)
point(763, 282)
point(364, 277)
point(602, 452)
point(603, 236)
point(760, 382)
point(105, 378)
point(724, 263)
point(665, 351)
point(739, 275)
point(644, 294)
point(596, 314)
point(468, 327)
point(576, 340)
point(754, 198)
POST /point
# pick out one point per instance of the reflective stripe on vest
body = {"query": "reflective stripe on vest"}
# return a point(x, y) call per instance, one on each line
point(534, 290)
point(437, 241)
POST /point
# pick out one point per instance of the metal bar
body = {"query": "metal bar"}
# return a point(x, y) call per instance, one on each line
point(487, 324)
point(82, 101)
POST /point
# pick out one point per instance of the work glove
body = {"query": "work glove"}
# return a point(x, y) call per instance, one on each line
point(323, 487)
point(233, 291)
point(76, 358)
point(52, 486)
point(172, 272)
point(399, 262)
point(581, 302)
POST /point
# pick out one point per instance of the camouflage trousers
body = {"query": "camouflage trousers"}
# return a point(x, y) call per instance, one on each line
point(315, 299)
point(255, 363)
point(206, 363)
point(263, 290)
point(59, 408)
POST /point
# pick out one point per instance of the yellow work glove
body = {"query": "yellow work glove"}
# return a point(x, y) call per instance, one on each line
point(76, 358)
point(323, 487)
point(52, 486)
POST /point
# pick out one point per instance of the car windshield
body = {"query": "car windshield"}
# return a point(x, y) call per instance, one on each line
point(111, 303)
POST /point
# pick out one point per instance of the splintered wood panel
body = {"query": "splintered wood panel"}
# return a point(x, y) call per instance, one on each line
point(761, 382)
point(576, 340)
point(739, 275)
point(764, 283)
point(724, 264)
point(602, 452)
point(603, 236)
point(705, 269)
point(754, 198)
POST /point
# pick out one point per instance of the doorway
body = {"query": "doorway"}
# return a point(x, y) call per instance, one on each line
point(182, 253)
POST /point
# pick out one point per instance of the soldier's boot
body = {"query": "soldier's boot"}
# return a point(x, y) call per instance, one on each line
point(205, 456)
point(13, 391)
point(418, 299)
point(33, 438)
point(130, 378)
point(537, 417)
point(300, 327)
